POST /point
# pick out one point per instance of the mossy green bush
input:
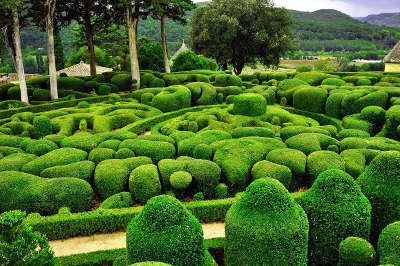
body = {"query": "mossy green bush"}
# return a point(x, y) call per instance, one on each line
point(202, 93)
point(118, 201)
point(354, 102)
point(224, 80)
point(144, 183)
point(333, 81)
point(124, 153)
point(374, 115)
point(180, 180)
point(303, 68)
point(221, 191)
point(265, 226)
point(167, 167)
point(266, 169)
point(334, 196)
point(98, 155)
point(40, 147)
point(313, 78)
point(355, 122)
point(381, 185)
point(70, 83)
point(186, 146)
point(172, 98)
point(291, 131)
point(41, 127)
point(389, 245)
point(249, 104)
point(355, 161)
point(156, 150)
point(57, 157)
point(203, 151)
point(241, 132)
point(82, 140)
point(356, 251)
point(333, 106)
point(123, 81)
point(15, 161)
point(287, 87)
point(320, 161)
point(31, 193)
point(103, 89)
point(279, 76)
point(295, 160)
point(82, 170)
point(310, 142)
point(110, 144)
point(41, 95)
point(310, 99)
point(156, 235)
point(352, 133)
point(111, 177)
point(135, 162)
point(392, 122)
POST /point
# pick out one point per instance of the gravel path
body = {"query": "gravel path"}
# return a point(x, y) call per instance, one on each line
point(96, 242)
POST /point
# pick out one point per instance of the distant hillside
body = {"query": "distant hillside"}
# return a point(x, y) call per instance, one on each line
point(385, 19)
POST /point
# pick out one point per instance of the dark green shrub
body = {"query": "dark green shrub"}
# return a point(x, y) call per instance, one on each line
point(123, 81)
point(180, 180)
point(167, 167)
point(224, 80)
point(203, 151)
point(83, 104)
point(313, 78)
point(172, 98)
point(189, 60)
point(334, 196)
point(110, 144)
point(364, 82)
point(287, 88)
point(92, 85)
point(265, 226)
point(57, 157)
point(146, 98)
point(320, 161)
point(279, 76)
point(355, 122)
point(117, 201)
point(202, 93)
point(380, 184)
point(35, 194)
point(355, 251)
point(222, 191)
point(199, 196)
point(355, 161)
point(266, 169)
point(20, 245)
point(249, 104)
point(15, 161)
point(291, 131)
point(156, 150)
point(134, 162)
point(42, 126)
point(374, 115)
point(310, 99)
point(82, 140)
point(111, 177)
point(310, 142)
point(156, 235)
point(333, 105)
point(352, 133)
point(40, 147)
point(389, 245)
point(144, 183)
point(354, 102)
point(103, 89)
point(241, 132)
point(82, 170)
point(70, 83)
point(98, 155)
point(41, 95)
point(124, 153)
point(333, 81)
point(303, 68)
point(186, 146)
point(14, 93)
point(295, 160)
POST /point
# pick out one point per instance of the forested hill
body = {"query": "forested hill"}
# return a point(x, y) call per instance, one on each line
point(386, 19)
point(332, 30)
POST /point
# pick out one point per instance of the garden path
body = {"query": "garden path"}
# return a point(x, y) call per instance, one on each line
point(97, 242)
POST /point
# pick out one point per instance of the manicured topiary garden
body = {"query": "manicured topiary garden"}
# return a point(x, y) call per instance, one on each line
point(302, 167)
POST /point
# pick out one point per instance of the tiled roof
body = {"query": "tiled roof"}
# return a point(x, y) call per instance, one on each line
point(394, 55)
point(82, 70)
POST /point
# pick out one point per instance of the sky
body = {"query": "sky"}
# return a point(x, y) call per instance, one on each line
point(354, 8)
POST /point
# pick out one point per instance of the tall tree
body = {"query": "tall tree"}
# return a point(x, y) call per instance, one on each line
point(9, 20)
point(175, 10)
point(92, 14)
point(59, 49)
point(238, 32)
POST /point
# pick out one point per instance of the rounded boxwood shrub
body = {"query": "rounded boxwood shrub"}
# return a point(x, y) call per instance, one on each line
point(41, 95)
point(40, 147)
point(31, 193)
point(41, 126)
point(373, 114)
point(241, 132)
point(303, 68)
point(356, 251)
point(312, 99)
point(180, 180)
point(82, 170)
point(110, 144)
point(222, 191)
point(333, 81)
point(199, 196)
point(265, 226)
point(82, 140)
point(380, 184)
point(310, 142)
point(101, 154)
point(123, 81)
point(15, 161)
point(336, 209)
point(167, 167)
point(103, 89)
point(287, 87)
point(150, 263)
point(117, 201)
point(333, 106)
point(172, 98)
point(249, 104)
point(320, 161)
point(203, 151)
point(156, 150)
point(146, 98)
point(266, 169)
point(144, 183)
point(353, 133)
point(111, 177)
point(313, 78)
point(295, 160)
point(124, 153)
point(389, 245)
point(57, 157)
point(165, 231)
point(202, 93)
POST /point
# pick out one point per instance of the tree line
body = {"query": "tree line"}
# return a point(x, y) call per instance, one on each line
point(93, 15)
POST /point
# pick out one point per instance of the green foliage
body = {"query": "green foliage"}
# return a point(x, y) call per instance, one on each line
point(124, 153)
point(156, 235)
point(313, 78)
point(287, 88)
point(241, 132)
point(352, 133)
point(310, 142)
point(156, 150)
point(102, 58)
point(40, 147)
point(103, 89)
point(333, 81)
point(82, 140)
point(180, 180)
point(389, 244)
point(82, 170)
point(304, 68)
point(374, 115)
point(20, 245)
point(320, 161)
point(41, 126)
point(266, 169)
point(334, 196)
point(98, 155)
point(144, 183)
point(172, 98)
point(150, 55)
point(355, 251)
point(310, 99)
point(222, 191)
point(249, 104)
point(380, 184)
point(266, 226)
point(295, 160)
point(31, 193)
point(354, 102)
point(15, 161)
point(123, 81)
point(117, 201)
point(189, 60)
point(202, 93)
point(203, 151)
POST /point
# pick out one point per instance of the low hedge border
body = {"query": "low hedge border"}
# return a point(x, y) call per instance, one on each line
point(321, 118)
point(65, 224)
point(107, 257)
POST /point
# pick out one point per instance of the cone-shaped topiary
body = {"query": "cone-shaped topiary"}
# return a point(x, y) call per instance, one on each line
point(389, 245)
point(165, 231)
point(336, 209)
point(266, 227)
point(380, 183)
point(356, 251)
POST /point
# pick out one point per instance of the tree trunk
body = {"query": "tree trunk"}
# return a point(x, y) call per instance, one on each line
point(89, 38)
point(132, 22)
point(18, 58)
point(238, 67)
point(164, 45)
point(12, 47)
point(225, 66)
point(50, 49)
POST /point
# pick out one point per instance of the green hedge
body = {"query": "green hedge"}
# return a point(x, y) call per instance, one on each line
point(156, 150)
point(356, 251)
point(311, 99)
point(15, 161)
point(144, 183)
point(266, 169)
point(320, 161)
point(117, 201)
point(389, 245)
point(82, 170)
point(249, 104)
point(172, 98)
